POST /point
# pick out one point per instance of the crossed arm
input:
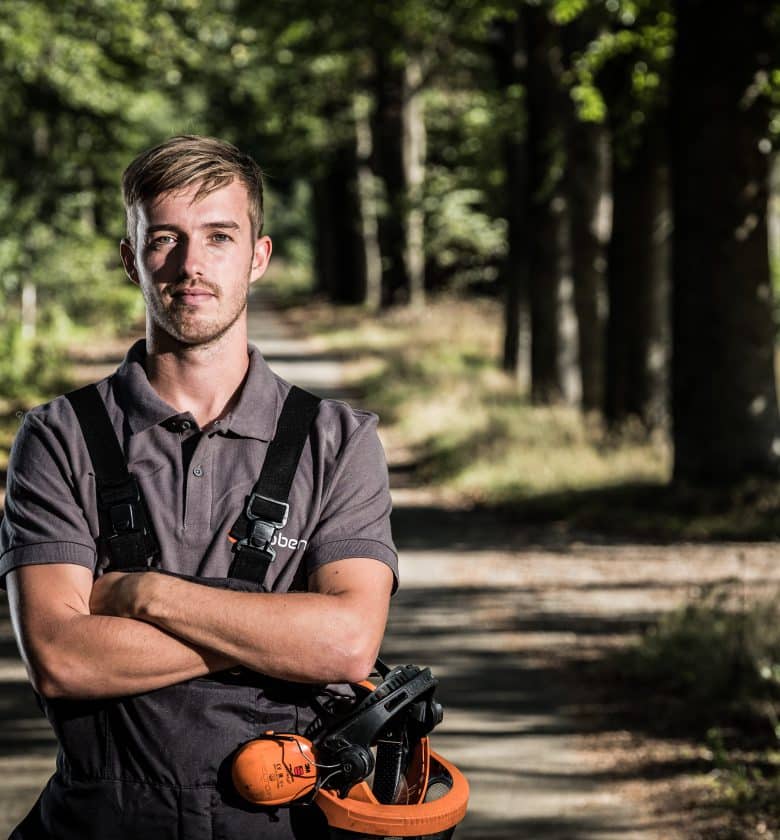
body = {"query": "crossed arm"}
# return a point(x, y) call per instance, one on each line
point(131, 633)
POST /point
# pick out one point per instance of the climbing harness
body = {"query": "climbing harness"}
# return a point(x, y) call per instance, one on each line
point(125, 527)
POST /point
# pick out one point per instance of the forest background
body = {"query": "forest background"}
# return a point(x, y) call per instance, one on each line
point(554, 222)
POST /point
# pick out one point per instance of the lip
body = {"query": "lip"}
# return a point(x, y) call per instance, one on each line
point(193, 296)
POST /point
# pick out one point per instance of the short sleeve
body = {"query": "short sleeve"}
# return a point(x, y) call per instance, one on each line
point(44, 521)
point(355, 515)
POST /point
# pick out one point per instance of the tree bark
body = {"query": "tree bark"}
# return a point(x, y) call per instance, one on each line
point(414, 168)
point(725, 413)
point(590, 221)
point(367, 199)
point(548, 240)
point(399, 161)
point(638, 283)
point(324, 236)
point(29, 309)
point(517, 307)
point(339, 245)
point(508, 52)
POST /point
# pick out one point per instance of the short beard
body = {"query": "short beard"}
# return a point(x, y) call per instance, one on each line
point(173, 322)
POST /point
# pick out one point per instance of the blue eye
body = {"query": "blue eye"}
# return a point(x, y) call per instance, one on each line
point(159, 241)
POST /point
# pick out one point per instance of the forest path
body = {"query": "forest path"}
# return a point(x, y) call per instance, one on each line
point(498, 619)
point(506, 620)
point(479, 612)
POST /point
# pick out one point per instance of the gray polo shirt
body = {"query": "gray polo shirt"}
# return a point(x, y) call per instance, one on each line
point(195, 481)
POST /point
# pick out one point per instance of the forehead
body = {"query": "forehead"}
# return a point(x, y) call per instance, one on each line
point(181, 208)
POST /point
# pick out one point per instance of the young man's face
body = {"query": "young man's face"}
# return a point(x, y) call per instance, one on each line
point(195, 261)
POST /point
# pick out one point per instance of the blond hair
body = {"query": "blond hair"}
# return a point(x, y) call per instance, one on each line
point(189, 159)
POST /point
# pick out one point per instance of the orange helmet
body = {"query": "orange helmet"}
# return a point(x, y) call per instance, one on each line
point(371, 771)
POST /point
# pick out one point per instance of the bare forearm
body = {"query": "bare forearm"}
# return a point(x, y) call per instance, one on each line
point(73, 651)
point(104, 656)
point(327, 635)
point(301, 636)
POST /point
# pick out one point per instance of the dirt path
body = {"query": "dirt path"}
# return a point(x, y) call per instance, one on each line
point(498, 619)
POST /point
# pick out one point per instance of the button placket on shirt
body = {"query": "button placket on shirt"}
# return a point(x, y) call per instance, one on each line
point(199, 488)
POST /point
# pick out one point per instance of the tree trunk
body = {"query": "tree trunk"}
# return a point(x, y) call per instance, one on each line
point(637, 279)
point(399, 160)
point(367, 199)
point(517, 314)
point(324, 237)
point(339, 246)
point(414, 169)
point(508, 51)
point(548, 206)
point(725, 413)
point(29, 309)
point(587, 181)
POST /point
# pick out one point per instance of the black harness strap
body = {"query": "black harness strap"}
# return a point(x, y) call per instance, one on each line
point(124, 524)
point(266, 508)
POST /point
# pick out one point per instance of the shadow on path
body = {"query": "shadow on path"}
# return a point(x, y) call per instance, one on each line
point(506, 682)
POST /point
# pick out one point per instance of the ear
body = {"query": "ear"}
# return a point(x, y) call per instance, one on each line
point(261, 257)
point(128, 260)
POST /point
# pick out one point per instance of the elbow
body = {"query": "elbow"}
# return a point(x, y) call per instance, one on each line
point(358, 662)
point(47, 683)
point(55, 679)
point(356, 671)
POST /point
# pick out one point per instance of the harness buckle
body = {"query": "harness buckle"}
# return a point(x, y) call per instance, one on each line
point(265, 516)
point(267, 509)
point(127, 537)
point(122, 517)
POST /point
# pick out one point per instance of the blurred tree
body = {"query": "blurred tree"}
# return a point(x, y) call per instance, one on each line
point(587, 186)
point(630, 65)
point(398, 155)
point(725, 412)
point(510, 58)
point(339, 100)
point(548, 241)
point(82, 84)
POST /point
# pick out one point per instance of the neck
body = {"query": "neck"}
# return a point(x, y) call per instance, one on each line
point(204, 380)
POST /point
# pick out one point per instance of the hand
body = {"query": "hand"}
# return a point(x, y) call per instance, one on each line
point(119, 594)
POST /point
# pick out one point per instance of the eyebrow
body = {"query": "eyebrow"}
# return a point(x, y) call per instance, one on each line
point(230, 225)
point(226, 225)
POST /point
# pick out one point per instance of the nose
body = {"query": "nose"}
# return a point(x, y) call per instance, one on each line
point(191, 256)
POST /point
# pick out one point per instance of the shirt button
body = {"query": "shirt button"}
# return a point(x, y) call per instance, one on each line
point(198, 471)
point(186, 425)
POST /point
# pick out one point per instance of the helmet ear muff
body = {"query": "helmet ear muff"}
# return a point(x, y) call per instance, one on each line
point(275, 769)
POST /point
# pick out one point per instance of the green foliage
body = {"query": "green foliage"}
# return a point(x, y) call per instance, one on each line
point(712, 663)
point(621, 71)
point(85, 86)
point(473, 434)
point(746, 782)
point(29, 367)
point(712, 670)
point(465, 240)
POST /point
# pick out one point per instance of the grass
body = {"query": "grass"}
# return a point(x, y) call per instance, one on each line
point(711, 671)
point(468, 432)
point(434, 380)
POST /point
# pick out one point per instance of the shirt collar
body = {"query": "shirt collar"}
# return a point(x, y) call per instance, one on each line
point(258, 406)
point(254, 415)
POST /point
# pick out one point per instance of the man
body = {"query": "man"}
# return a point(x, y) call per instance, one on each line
point(153, 678)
